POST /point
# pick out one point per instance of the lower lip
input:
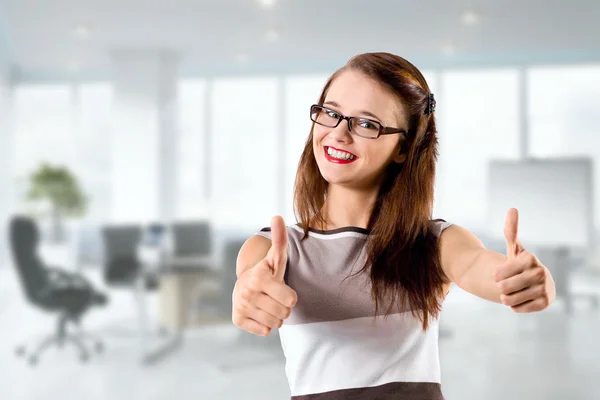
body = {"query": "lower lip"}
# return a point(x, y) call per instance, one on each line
point(337, 160)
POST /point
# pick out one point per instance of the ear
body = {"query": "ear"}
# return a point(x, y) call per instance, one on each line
point(401, 156)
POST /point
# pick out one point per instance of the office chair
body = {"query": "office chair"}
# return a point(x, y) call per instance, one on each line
point(192, 239)
point(52, 290)
point(121, 263)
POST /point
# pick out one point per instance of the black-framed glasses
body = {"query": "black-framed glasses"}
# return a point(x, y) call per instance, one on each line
point(358, 126)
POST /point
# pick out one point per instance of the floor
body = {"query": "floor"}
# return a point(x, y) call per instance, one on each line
point(487, 353)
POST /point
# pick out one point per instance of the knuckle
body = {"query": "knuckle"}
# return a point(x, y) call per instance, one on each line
point(292, 298)
point(275, 323)
point(262, 268)
point(503, 299)
point(503, 286)
point(530, 258)
point(540, 273)
point(541, 291)
point(498, 273)
point(254, 282)
point(246, 294)
point(237, 319)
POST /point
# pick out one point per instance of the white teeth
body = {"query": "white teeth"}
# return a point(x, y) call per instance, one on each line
point(339, 154)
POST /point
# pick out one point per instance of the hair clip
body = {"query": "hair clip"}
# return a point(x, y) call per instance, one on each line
point(430, 104)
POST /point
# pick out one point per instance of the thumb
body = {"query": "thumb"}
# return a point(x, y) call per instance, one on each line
point(277, 255)
point(511, 230)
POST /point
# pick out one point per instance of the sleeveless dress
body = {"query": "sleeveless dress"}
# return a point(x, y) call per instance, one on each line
point(335, 348)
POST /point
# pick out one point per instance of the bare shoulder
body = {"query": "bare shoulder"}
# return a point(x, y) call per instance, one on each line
point(253, 250)
point(458, 248)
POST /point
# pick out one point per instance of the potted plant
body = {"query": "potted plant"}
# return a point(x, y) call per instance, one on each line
point(59, 188)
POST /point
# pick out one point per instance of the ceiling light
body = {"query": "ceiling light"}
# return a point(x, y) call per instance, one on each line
point(272, 35)
point(470, 18)
point(82, 31)
point(267, 3)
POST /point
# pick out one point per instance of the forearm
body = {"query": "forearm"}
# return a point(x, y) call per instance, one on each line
point(479, 278)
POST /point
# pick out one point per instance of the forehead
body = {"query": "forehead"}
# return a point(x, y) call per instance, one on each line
point(356, 93)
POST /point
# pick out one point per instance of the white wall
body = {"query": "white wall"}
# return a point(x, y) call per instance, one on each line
point(6, 164)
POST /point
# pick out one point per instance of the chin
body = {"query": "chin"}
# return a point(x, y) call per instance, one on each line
point(338, 179)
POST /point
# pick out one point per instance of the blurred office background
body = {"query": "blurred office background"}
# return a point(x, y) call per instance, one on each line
point(179, 123)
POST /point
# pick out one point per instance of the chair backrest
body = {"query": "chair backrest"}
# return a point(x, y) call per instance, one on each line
point(24, 240)
point(231, 249)
point(191, 238)
point(120, 244)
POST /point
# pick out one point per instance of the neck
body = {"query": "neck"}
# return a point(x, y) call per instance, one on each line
point(347, 207)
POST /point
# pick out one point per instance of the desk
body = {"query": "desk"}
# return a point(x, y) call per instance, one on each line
point(182, 283)
point(181, 287)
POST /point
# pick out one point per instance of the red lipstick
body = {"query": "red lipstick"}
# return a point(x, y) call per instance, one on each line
point(338, 160)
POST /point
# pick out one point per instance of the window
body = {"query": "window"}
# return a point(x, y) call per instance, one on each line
point(43, 129)
point(191, 193)
point(43, 125)
point(300, 93)
point(91, 138)
point(245, 117)
point(477, 122)
point(564, 114)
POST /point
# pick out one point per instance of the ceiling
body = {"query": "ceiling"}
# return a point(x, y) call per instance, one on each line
point(222, 36)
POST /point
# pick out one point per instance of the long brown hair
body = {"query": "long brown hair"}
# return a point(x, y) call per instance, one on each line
point(403, 258)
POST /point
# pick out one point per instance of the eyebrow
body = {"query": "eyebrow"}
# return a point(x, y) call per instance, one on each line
point(370, 114)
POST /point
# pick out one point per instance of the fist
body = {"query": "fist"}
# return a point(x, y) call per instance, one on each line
point(525, 284)
point(261, 299)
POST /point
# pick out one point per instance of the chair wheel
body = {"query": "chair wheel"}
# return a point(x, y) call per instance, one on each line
point(99, 347)
point(20, 351)
point(33, 360)
point(84, 357)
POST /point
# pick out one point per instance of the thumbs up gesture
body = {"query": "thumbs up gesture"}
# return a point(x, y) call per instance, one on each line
point(261, 299)
point(525, 284)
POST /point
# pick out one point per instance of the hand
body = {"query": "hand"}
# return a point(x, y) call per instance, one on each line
point(261, 299)
point(525, 284)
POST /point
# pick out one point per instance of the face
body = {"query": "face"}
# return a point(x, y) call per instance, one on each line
point(353, 94)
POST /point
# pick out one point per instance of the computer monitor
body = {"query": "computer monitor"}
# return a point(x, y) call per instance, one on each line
point(554, 197)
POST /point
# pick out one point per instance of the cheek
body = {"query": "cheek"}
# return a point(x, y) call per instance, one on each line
point(379, 156)
point(319, 133)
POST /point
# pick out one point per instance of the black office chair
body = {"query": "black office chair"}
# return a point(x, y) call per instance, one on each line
point(52, 290)
point(121, 263)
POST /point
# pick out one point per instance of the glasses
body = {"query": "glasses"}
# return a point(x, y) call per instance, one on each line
point(362, 127)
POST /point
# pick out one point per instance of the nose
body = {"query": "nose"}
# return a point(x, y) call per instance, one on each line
point(341, 133)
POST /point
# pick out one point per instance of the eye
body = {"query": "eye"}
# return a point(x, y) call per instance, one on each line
point(332, 114)
point(365, 123)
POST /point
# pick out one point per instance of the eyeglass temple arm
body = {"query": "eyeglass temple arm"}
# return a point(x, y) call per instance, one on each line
point(389, 131)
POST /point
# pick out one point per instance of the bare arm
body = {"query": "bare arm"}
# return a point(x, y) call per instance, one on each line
point(518, 279)
point(469, 264)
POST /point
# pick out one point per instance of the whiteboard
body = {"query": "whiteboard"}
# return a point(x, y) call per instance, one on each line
point(554, 197)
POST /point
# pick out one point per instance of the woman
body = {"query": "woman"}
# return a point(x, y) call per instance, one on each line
point(356, 287)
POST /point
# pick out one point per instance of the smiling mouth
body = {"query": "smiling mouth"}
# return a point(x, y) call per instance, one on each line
point(338, 156)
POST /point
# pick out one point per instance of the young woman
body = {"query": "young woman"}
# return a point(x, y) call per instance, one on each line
point(356, 286)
